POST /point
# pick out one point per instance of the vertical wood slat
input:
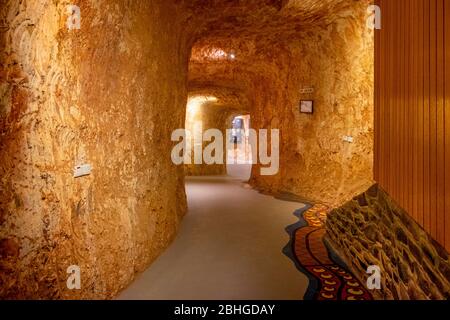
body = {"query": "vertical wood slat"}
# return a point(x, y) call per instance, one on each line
point(377, 97)
point(414, 113)
point(401, 101)
point(398, 103)
point(447, 122)
point(388, 94)
point(409, 112)
point(386, 115)
point(398, 99)
point(421, 104)
point(401, 145)
point(440, 152)
point(412, 116)
point(426, 118)
point(433, 117)
point(406, 99)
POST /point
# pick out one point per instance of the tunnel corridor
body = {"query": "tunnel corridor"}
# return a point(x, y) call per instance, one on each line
point(119, 149)
point(228, 247)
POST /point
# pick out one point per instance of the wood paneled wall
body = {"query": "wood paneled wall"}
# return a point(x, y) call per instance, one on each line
point(412, 110)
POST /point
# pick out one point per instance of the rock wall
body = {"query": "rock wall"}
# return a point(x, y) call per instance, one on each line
point(337, 61)
point(211, 117)
point(272, 64)
point(98, 95)
point(372, 230)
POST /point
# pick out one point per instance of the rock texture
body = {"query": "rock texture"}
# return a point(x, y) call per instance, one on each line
point(373, 230)
point(111, 93)
point(98, 95)
point(335, 57)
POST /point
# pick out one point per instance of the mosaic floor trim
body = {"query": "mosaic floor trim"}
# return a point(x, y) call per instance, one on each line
point(329, 278)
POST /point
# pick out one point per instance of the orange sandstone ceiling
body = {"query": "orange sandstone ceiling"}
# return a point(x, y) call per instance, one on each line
point(262, 18)
point(239, 41)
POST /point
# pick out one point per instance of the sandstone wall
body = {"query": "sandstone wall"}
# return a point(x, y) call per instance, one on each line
point(99, 95)
point(273, 62)
point(372, 230)
point(212, 117)
point(315, 162)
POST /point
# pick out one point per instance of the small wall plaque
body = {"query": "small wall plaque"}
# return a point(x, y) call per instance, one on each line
point(82, 170)
point(307, 90)
point(307, 106)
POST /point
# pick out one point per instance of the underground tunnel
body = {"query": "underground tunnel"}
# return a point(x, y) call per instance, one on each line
point(350, 112)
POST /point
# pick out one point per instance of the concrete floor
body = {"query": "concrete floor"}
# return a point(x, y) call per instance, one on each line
point(229, 247)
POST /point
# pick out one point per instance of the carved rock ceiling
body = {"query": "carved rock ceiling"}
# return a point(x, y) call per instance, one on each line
point(235, 40)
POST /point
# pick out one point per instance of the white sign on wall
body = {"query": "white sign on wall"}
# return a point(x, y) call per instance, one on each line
point(307, 90)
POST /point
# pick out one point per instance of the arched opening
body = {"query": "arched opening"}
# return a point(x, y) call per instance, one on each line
point(240, 151)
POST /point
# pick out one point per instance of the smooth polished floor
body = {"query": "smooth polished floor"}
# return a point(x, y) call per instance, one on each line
point(229, 247)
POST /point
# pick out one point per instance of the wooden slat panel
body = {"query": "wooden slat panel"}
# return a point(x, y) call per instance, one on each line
point(377, 97)
point(440, 152)
point(421, 83)
point(401, 154)
point(403, 35)
point(412, 115)
point(398, 99)
point(433, 118)
point(405, 101)
point(408, 115)
point(447, 122)
point(414, 112)
point(388, 114)
point(386, 152)
point(426, 118)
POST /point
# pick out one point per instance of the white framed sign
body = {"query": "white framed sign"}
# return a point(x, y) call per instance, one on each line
point(307, 106)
